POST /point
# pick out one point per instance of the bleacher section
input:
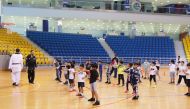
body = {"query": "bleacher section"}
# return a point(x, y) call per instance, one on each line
point(147, 47)
point(67, 45)
point(186, 44)
point(9, 41)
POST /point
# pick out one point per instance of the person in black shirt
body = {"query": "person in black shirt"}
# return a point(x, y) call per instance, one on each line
point(31, 64)
point(93, 78)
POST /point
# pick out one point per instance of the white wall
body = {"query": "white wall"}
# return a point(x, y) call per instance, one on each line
point(104, 15)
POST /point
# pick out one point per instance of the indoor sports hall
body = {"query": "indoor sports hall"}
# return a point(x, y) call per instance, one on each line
point(85, 54)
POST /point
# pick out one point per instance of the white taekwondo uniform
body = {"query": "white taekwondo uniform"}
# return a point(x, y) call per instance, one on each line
point(16, 65)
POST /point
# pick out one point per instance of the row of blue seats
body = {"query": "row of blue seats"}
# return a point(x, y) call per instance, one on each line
point(142, 46)
point(61, 44)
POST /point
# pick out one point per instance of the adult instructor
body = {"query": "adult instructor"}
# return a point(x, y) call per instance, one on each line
point(31, 64)
point(16, 65)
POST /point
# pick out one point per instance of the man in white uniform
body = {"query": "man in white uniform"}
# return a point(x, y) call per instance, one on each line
point(16, 65)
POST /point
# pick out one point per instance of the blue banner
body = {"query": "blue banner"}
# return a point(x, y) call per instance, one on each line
point(127, 4)
point(45, 25)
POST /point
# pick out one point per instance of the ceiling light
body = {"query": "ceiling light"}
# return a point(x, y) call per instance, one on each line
point(179, 2)
point(168, 1)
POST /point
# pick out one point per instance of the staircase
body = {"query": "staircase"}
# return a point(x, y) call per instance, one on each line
point(179, 49)
point(106, 47)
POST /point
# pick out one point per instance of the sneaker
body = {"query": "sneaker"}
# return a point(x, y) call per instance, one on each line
point(106, 82)
point(109, 82)
point(56, 79)
point(187, 94)
point(91, 99)
point(96, 103)
point(78, 94)
point(135, 98)
point(59, 80)
point(14, 84)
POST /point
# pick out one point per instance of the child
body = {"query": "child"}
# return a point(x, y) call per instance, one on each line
point(81, 81)
point(108, 74)
point(140, 71)
point(152, 73)
point(121, 69)
point(146, 66)
point(188, 79)
point(172, 68)
point(182, 69)
point(134, 78)
point(72, 77)
point(93, 78)
point(66, 74)
point(58, 72)
point(100, 67)
point(158, 69)
point(128, 71)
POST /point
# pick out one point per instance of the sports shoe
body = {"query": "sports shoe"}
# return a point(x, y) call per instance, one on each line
point(187, 94)
point(106, 82)
point(96, 103)
point(14, 84)
point(135, 98)
point(91, 99)
point(109, 82)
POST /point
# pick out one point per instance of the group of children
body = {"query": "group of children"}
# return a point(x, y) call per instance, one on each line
point(72, 74)
point(133, 72)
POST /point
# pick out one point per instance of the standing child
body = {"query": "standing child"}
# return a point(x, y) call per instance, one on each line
point(58, 72)
point(71, 78)
point(146, 66)
point(158, 69)
point(188, 79)
point(128, 71)
point(108, 74)
point(81, 80)
point(66, 73)
point(134, 78)
point(100, 68)
point(93, 78)
point(152, 73)
point(140, 71)
point(182, 68)
point(172, 68)
point(121, 68)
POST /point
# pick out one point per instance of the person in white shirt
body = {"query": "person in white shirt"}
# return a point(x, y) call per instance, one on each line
point(146, 66)
point(81, 80)
point(72, 77)
point(187, 73)
point(172, 69)
point(152, 73)
point(182, 68)
point(16, 66)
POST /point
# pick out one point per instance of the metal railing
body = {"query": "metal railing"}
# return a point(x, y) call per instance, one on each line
point(95, 5)
point(108, 60)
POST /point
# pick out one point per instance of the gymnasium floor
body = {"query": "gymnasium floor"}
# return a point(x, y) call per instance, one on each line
point(48, 94)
